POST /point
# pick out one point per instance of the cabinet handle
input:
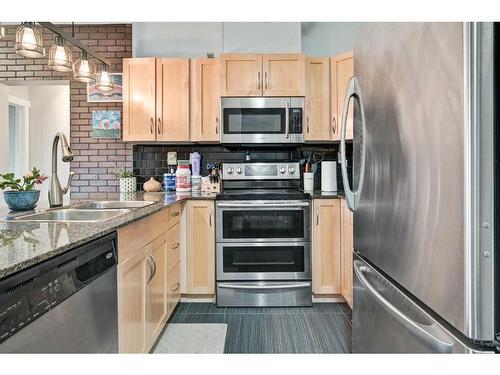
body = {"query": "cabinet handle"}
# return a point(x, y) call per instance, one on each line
point(258, 81)
point(334, 125)
point(175, 287)
point(151, 125)
point(160, 126)
point(210, 218)
point(216, 125)
point(265, 75)
point(317, 216)
point(176, 245)
point(307, 122)
point(151, 269)
point(174, 214)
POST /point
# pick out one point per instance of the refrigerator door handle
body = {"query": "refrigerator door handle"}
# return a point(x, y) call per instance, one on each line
point(420, 330)
point(353, 91)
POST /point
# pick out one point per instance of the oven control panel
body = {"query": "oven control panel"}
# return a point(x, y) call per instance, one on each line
point(261, 171)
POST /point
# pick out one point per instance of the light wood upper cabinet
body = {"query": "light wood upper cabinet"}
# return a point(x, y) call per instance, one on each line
point(156, 292)
point(326, 246)
point(131, 277)
point(205, 100)
point(172, 99)
point(283, 74)
point(317, 101)
point(139, 99)
point(241, 75)
point(346, 251)
point(200, 249)
point(342, 69)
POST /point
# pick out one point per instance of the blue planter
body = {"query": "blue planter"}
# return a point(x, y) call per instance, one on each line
point(21, 200)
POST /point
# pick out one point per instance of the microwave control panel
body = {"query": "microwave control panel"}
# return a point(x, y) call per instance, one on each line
point(295, 120)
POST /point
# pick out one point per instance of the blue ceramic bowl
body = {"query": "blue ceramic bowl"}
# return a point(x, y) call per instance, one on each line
point(21, 200)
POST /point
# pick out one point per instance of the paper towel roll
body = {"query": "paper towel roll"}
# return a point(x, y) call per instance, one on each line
point(329, 176)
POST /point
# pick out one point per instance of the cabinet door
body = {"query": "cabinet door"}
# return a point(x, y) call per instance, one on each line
point(326, 246)
point(241, 75)
point(200, 247)
point(284, 75)
point(139, 99)
point(172, 99)
point(131, 282)
point(342, 69)
point(173, 288)
point(205, 103)
point(317, 122)
point(156, 293)
point(347, 249)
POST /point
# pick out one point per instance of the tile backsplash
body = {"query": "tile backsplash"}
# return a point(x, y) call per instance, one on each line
point(151, 160)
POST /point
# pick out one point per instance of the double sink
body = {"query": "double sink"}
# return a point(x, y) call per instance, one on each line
point(90, 212)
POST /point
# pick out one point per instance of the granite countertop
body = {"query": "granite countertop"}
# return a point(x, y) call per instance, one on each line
point(24, 244)
point(318, 194)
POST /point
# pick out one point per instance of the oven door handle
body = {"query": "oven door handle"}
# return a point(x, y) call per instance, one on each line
point(262, 287)
point(267, 205)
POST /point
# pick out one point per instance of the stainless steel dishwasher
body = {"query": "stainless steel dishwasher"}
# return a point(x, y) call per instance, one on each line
point(67, 304)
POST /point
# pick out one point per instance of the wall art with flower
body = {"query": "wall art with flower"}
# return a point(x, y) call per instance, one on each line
point(106, 124)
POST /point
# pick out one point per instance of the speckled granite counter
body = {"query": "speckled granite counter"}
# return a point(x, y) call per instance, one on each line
point(23, 244)
point(318, 194)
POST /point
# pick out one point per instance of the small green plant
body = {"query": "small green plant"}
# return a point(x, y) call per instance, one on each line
point(27, 183)
point(123, 173)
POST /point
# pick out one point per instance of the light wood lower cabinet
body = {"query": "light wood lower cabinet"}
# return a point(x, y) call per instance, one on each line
point(326, 246)
point(148, 278)
point(200, 249)
point(346, 251)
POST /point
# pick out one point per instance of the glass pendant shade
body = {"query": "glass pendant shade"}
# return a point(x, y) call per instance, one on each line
point(103, 82)
point(29, 42)
point(84, 68)
point(60, 58)
point(2, 32)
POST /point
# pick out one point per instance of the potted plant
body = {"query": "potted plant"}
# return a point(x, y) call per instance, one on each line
point(128, 182)
point(21, 195)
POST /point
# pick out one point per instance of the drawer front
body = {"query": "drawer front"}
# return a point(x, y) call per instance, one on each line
point(138, 234)
point(175, 215)
point(174, 246)
point(173, 288)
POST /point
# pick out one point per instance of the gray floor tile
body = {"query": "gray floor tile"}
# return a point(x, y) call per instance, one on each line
point(205, 308)
point(244, 310)
point(197, 318)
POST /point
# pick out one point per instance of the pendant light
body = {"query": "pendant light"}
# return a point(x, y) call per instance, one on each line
point(60, 58)
point(84, 68)
point(29, 42)
point(103, 81)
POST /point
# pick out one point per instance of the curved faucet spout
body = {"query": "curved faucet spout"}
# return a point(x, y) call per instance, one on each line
point(55, 191)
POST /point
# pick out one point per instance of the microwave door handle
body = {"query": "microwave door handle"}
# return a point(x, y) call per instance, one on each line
point(287, 119)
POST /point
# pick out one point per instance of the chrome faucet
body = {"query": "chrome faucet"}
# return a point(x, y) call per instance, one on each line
point(56, 192)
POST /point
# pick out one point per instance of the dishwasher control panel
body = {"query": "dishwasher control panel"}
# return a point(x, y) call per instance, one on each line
point(21, 308)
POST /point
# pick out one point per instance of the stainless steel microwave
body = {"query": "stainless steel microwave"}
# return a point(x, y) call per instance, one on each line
point(262, 120)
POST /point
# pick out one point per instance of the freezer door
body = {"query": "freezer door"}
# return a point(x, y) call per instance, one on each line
point(413, 202)
point(386, 321)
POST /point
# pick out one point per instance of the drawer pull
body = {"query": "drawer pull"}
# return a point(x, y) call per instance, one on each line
point(176, 245)
point(174, 214)
point(175, 287)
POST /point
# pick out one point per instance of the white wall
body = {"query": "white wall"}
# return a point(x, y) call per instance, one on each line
point(4, 128)
point(195, 39)
point(50, 113)
point(329, 38)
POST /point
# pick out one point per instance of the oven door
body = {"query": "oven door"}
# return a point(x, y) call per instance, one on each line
point(263, 221)
point(264, 261)
point(256, 120)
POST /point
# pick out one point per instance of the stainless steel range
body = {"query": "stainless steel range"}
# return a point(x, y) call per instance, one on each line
point(263, 236)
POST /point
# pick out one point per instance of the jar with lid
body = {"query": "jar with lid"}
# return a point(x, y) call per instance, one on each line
point(183, 178)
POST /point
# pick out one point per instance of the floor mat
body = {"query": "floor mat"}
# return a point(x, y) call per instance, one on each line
point(193, 338)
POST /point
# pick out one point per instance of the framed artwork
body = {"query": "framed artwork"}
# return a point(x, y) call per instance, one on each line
point(106, 124)
point(94, 96)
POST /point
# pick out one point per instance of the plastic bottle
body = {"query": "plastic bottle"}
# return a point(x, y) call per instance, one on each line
point(196, 163)
point(183, 178)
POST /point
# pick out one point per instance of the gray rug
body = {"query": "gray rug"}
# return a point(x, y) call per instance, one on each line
point(193, 338)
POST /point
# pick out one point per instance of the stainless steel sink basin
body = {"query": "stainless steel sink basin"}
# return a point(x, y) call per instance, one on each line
point(100, 205)
point(73, 215)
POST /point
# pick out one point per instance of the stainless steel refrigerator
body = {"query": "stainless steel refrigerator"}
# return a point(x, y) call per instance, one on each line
point(426, 274)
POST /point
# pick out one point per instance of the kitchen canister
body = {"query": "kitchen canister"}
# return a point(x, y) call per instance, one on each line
point(308, 181)
point(329, 176)
point(195, 183)
point(183, 178)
